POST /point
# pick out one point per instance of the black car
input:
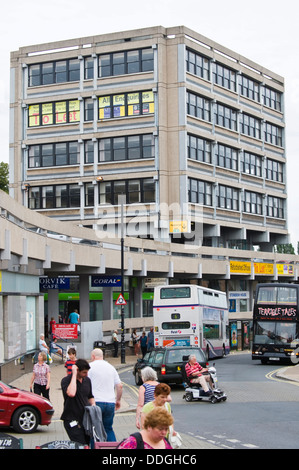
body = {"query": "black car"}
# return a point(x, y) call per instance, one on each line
point(167, 362)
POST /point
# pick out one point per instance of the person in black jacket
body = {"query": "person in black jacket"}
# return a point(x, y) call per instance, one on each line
point(77, 393)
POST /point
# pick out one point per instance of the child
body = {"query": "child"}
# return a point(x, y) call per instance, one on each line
point(72, 353)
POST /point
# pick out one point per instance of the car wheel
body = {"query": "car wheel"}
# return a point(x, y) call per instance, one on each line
point(138, 379)
point(25, 420)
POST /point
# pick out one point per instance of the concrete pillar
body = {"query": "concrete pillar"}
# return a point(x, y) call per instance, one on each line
point(138, 306)
point(107, 303)
point(53, 304)
point(84, 297)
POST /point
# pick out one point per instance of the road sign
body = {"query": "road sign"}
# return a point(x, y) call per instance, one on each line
point(120, 300)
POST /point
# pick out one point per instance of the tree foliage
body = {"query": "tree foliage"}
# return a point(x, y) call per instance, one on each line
point(286, 248)
point(4, 172)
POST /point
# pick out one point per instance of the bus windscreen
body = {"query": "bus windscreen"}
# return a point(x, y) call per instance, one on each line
point(175, 293)
point(277, 295)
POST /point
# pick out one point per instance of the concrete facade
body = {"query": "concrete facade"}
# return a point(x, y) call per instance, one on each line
point(189, 131)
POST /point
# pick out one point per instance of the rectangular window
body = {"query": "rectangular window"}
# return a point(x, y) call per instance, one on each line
point(249, 88)
point(135, 191)
point(89, 194)
point(126, 148)
point(88, 68)
point(198, 106)
point(48, 197)
point(127, 104)
point(228, 198)
point(275, 207)
point(200, 192)
point(88, 151)
point(60, 112)
point(34, 198)
point(225, 116)
point(34, 75)
point(127, 62)
point(274, 170)
point(224, 76)
point(252, 203)
point(47, 155)
point(74, 195)
point(47, 73)
point(61, 154)
point(272, 98)
point(88, 109)
point(250, 126)
point(59, 71)
point(273, 134)
point(197, 64)
point(226, 157)
point(61, 196)
point(251, 164)
point(199, 149)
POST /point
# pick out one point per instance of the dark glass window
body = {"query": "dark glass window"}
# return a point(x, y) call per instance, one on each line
point(127, 62)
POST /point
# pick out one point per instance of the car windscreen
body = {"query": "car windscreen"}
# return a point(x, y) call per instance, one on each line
point(182, 355)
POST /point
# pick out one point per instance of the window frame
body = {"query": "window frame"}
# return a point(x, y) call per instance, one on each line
point(124, 65)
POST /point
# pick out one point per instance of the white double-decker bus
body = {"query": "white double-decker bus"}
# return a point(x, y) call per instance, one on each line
point(190, 315)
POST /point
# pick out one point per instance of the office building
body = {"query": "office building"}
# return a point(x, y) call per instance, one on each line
point(191, 133)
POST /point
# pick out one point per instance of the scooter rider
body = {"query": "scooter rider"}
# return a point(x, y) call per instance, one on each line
point(194, 372)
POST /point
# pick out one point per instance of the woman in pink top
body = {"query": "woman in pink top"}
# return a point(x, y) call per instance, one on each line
point(156, 426)
point(41, 376)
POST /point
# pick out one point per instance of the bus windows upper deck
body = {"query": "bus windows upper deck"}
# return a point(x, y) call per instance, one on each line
point(175, 293)
point(277, 295)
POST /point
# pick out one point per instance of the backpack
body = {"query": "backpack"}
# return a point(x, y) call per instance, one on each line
point(138, 437)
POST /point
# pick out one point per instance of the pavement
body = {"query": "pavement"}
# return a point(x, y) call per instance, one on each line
point(124, 420)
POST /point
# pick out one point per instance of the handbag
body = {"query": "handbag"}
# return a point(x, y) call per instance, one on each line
point(175, 441)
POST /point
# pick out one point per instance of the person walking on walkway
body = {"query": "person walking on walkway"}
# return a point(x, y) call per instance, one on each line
point(146, 390)
point(77, 393)
point(105, 382)
point(143, 343)
point(41, 376)
point(115, 343)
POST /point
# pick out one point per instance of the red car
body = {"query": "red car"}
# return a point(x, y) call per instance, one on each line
point(22, 410)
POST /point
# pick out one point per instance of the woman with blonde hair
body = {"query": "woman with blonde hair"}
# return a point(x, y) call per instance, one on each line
point(41, 376)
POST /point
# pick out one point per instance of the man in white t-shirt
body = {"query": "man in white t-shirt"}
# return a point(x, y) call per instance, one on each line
point(106, 389)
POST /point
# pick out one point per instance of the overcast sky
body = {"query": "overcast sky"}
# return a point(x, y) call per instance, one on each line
point(265, 31)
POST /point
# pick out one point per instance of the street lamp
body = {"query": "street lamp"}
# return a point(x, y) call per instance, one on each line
point(121, 200)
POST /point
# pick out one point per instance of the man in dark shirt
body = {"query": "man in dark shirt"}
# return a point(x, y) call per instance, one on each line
point(77, 393)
